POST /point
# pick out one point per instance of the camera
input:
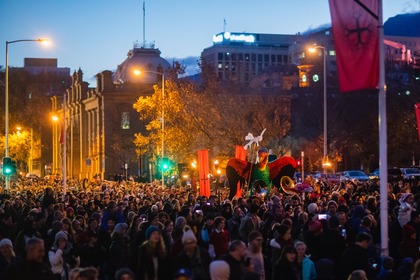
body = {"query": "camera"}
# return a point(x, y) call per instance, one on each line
point(322, 216)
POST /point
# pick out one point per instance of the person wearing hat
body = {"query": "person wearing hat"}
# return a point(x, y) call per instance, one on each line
point(152, 261)
point(193, 257)
point(62, 256)
point(124, 274)
point(406, 207)
point(7, 255)
point(387, 264)
point(184, 274)
point(332, 207)
point(119, 249)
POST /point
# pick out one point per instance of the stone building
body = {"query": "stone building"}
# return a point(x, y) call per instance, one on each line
point(101, 121)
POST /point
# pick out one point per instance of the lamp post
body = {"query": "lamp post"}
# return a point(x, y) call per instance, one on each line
point(137, 73)
point(6, 103)
point(324, 55)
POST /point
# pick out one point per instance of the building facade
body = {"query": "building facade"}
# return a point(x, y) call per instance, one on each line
point(101, 122)
point(244, 56)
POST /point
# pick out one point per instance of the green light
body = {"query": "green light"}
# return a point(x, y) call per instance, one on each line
point(165, 166)
point(9, 166)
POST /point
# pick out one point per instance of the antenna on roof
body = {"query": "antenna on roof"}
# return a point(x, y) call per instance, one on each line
point(224, 25)
point(144, 24)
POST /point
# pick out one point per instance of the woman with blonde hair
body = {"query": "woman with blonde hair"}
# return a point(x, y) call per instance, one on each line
point(152, 262)
point(68, 228)
point(416, 272)
point(7, 255)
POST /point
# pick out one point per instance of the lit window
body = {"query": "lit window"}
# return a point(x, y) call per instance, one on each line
point(332, 52)
point(125, 120)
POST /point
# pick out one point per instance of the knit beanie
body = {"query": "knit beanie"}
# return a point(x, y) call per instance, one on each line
point(312, 208)
point(124, 271)
point(6, 241)
point(188, 236)
point(404, 197)
point(219, 270)
point(120, 227)
point(61, 235)
point(150, 230)
point(275, 199)
point(332, 202)
point(387, 262)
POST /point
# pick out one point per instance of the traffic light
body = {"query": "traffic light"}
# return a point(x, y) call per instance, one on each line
point(165, 164)
point(9, 166)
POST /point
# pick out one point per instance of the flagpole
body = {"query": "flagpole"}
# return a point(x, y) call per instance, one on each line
point(383, 156)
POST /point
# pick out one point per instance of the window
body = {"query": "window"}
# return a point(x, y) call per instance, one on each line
point(220, 56)
point(273, 58)
point(125, 120)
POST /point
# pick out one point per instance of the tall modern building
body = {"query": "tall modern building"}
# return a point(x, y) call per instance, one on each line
point(245, 56)
point(101, 121)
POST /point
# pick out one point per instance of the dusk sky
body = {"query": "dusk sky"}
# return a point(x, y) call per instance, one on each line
point(96, 35)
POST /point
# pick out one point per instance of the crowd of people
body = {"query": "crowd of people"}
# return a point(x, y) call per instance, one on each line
point(127, 230)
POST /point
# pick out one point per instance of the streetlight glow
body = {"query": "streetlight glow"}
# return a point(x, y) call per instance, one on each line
point(6, 103)
point(324, 56)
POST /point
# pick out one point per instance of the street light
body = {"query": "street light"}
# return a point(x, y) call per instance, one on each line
point(138, 72)
point(324, 55)
point(6, 110)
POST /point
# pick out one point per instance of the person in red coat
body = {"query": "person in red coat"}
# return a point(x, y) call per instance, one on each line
point(219, 239)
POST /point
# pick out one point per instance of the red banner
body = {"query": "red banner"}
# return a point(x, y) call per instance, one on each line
point(203, 172)
point(240, 153)
point(356, 43)
point(417, 108)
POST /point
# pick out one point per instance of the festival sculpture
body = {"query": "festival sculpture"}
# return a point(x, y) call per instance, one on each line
point(278, 172)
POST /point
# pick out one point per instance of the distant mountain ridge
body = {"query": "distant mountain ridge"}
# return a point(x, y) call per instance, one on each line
point(406, 25)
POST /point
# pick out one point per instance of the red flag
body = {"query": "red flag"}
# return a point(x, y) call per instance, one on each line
point(240, 153)
point(417, 108)
point(356, 43)
point(203, 165)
